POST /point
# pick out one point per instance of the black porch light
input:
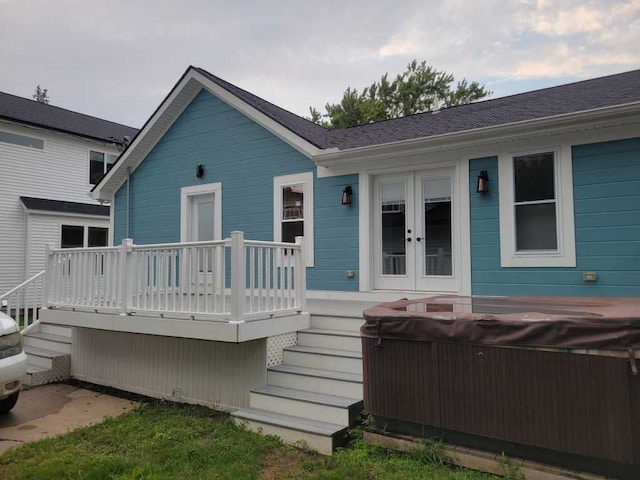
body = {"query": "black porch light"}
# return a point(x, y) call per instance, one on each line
point(483, 182)
point(200, 171)
point(347, 193)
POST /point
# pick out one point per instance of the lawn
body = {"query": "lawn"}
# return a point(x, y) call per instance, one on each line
point(169, 441)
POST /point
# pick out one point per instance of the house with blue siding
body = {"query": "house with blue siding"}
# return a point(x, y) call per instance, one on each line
point(534, 194)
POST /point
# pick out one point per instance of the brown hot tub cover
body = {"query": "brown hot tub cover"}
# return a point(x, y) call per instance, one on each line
point(557, 322)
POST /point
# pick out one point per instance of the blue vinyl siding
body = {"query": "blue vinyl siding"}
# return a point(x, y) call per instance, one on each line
point(245, 158)
point(606, 188)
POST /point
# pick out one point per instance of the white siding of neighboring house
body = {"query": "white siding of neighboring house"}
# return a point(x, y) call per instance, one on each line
point(215, 374)
point(45, 229)
point(59, 172)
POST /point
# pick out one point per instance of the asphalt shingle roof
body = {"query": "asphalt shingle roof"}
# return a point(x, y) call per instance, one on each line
point(30, 112)
point(44, 204)
point(575, 97)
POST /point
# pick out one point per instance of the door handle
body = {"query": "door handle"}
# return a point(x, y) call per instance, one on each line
point(418, 239)
point(409, 239)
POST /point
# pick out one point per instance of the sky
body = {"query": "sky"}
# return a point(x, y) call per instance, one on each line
point(118, 59)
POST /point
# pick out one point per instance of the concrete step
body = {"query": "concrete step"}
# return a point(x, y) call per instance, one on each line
point(328, 382)
point(47, 341)
point(320, 436)
point(334, 322)
point(314, 406)
point(323, 358)
point(59, 330)
point(334, 339)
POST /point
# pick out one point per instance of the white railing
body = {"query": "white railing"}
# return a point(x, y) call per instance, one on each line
point(24, 302)
point(232, 279)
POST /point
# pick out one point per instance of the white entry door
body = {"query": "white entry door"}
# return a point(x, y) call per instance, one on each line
point(415, 230)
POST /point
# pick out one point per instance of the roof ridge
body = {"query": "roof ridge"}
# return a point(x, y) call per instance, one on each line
point(67, 110)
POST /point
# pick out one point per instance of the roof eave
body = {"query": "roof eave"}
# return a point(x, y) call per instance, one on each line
point(485, 135)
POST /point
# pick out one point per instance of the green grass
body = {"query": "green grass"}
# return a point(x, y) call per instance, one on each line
point(168, 441)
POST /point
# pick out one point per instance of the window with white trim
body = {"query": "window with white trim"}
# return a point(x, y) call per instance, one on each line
point(536, 209)
point(99, 164)
point(78, 236)
point(21, 140)
point(293, 210)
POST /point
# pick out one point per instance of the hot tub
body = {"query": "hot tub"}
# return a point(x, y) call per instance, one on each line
point(548, 379)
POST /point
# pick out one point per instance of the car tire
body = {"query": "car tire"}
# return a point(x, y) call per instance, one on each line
point(8, 403)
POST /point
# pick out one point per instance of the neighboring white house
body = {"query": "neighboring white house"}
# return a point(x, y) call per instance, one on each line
point(49, 160)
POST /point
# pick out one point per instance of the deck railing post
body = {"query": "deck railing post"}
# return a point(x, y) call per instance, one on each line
point(48, 276)
point(238, 276)
point(125, 251)
point(301, 275)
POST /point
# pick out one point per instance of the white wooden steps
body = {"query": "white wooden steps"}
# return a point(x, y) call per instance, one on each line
point(316, 394)
point(48, 349)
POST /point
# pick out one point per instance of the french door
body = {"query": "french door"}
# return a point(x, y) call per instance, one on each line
point(415, 246)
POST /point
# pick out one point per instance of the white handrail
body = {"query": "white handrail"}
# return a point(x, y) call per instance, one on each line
point(24, 301)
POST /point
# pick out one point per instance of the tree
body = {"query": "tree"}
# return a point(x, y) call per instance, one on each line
point(41, 95)
point(419, 89)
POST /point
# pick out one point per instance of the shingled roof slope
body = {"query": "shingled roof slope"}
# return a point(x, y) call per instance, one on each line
point(609, 91)
point(30, 112)
point(44, 204)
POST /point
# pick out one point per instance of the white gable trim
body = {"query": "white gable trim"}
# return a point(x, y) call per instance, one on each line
point(180, 97)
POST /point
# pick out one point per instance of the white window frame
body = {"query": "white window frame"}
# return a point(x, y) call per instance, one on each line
point(565, 254)
point(85, 231)
point(279, 183)
point(186, 193)
point(104, 162)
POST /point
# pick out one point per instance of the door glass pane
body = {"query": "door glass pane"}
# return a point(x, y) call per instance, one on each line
point(536, 227)
point(392, 209)
point(205, 220)
point(437, 227)
point(291, 230)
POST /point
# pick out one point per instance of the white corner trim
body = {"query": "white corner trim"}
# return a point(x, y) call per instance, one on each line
point(186, 193)
point(364, 232)
point(565, 256)
point(464, 235)
point(305, 178)
point(112, 221)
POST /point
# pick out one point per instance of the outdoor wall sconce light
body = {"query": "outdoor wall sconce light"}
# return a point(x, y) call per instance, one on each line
point(347, 193)
point(199, 171)
point(483, 182)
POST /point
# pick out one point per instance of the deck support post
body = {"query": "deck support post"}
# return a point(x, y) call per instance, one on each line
point(238, 276)
point(48, 269)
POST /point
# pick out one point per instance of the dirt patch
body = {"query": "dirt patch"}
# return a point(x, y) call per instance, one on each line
point(281, 463)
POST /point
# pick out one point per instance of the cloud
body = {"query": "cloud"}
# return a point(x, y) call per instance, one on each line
point(117, 59)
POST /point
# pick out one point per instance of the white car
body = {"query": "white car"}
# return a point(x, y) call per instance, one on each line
point(13, 362)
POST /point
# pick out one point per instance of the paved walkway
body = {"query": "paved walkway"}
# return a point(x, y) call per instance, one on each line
point(50, 410)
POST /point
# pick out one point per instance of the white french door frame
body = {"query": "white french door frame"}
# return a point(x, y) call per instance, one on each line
point(187, 195)
point(367, 233)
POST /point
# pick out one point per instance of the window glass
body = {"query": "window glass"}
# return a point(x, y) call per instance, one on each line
point(534, 177)
point(292, 212)
point(72, 236)
point(535, 202)
point(98, 237)
point(21, 140)
point(96, 166)
point(110, 160)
